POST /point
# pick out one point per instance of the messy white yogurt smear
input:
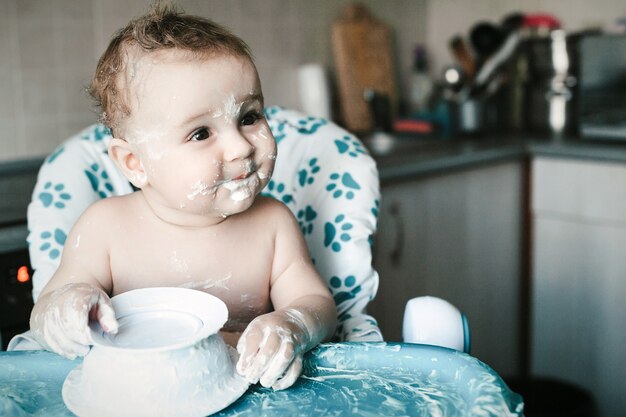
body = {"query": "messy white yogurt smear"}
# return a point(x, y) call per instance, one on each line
point(240, 189)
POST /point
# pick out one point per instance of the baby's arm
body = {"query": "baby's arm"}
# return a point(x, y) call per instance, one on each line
point(77, 291)
point(273, 345)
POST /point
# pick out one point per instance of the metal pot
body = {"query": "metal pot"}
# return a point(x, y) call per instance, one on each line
point(541, 95)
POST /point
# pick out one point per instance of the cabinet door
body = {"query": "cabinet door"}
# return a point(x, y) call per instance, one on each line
point(579, 281)
point(455, 236)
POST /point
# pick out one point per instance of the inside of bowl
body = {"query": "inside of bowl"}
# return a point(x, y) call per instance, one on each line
point(161, 318)
point(151, 329)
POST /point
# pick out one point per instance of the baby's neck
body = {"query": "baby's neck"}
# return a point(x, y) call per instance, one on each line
point(179, 218)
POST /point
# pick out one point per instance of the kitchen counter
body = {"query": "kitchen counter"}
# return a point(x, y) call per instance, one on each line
point(401, 158)
point(405, 157)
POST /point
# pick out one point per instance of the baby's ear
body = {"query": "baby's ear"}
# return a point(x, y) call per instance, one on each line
point(128, 162)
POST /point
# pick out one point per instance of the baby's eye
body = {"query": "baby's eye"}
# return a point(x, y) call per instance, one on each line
point(200, 134)
point(250, 118)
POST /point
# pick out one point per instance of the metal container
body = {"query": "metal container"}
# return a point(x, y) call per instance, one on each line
point(541, 88)
point(602, 87)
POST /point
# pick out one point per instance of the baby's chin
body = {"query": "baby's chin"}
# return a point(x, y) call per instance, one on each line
point(231, 203)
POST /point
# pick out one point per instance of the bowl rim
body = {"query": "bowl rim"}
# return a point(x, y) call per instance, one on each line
point(213, 314)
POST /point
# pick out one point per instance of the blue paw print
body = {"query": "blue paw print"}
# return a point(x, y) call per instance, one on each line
point(98, 134)
point(341, 317)
point(376, 208)
point(348, 184)
point(335, 234)
point(99, 180)
point(305, 219)
point(47, 196)
point(270, 111)
point(305, 176)
point(54, 155)
point(277, 191)
point(344, 289)
point(350, 146)
point(310, 125)
point(279, 132)
point(339, 332)
point(53, 242)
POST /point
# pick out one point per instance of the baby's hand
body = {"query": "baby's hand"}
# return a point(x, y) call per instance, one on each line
point(60, 319)
point(272, 347)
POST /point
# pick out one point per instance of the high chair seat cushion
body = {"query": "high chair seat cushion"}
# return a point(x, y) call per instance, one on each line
point(323, 174)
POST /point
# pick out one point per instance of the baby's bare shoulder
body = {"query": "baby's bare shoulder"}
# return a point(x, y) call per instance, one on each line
point(267, 208)
point(111, 210)
point(273, 217)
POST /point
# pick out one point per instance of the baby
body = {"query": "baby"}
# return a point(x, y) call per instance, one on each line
point(184, 102)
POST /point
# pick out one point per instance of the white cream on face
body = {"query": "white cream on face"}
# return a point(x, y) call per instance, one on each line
point(198, 175)
point(242, 189)
point(201, 188)
point(263, 132)
point(140, 177)
point(230, 110)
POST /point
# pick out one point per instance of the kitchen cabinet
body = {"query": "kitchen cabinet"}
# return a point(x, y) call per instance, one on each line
point(579, 281)
point(455, 236)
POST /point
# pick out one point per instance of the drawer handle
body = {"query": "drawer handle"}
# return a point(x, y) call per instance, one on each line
point(396, 253)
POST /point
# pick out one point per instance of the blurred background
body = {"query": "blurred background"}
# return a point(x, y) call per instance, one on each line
point(498, 127)
point(49, 49)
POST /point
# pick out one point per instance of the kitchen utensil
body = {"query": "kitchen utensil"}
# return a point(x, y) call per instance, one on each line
point(512, 22)
point(380, 108)
point(363, 60)
point(542, 77)
point(463, 56)
point(486, 38)
point(493, 62)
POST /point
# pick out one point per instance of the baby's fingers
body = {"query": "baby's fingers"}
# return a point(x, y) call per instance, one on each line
point(279, 364)
point(61, 343)
point(247, 347)
point(267, 349)
point(69, 349)
point(290, 376)
point(106, 316)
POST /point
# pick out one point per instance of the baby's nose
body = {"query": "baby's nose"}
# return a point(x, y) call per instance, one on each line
point(237, 146)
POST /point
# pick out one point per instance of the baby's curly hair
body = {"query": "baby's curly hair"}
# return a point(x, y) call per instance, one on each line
point(164, 27)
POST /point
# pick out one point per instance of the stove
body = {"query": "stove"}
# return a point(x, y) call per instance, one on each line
point(15, 293)
point(17, 180)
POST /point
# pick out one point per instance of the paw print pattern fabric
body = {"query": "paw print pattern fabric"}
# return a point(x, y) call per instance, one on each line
point(334, 189)
point(76, 174)
point(323, 174)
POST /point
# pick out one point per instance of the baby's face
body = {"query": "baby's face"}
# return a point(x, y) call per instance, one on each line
point(199, 130)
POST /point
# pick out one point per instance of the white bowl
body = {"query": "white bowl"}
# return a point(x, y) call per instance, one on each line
point(166, 359)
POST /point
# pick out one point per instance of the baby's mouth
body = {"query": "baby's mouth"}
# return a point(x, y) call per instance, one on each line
point(249, 169)
point(242, 176)
point(250, 176)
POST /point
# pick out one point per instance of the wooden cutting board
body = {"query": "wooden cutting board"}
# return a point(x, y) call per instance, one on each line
point(362, 49)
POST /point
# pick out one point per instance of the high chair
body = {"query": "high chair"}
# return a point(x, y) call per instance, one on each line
point(322, 173)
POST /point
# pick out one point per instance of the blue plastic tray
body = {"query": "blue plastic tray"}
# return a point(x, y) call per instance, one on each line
point(365, 379)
